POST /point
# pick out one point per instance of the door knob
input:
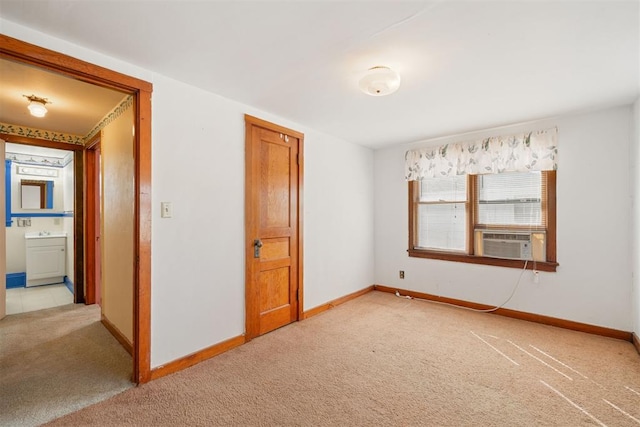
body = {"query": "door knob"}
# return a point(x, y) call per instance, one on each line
point(257, 244)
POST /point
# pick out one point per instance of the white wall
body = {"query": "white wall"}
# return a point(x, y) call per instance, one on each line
point(635, 221)
point(593, 282)
point(198, 164)
point(198, 261)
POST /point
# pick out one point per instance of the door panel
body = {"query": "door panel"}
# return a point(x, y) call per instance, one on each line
point(275, 249)
point(274, 289)
point(275, 161)
point(272, 226)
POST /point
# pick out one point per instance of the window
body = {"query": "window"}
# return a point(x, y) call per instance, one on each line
point(442, 213)
point(497, 219)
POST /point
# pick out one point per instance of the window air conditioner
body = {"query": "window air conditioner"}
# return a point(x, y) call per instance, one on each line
point(506, 244)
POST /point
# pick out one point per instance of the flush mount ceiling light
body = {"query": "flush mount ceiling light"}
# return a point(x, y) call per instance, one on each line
point(37, 105)
point(380, 81)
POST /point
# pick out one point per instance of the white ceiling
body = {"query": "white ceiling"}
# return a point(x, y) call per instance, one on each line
point(464, 65)
point(75, 107)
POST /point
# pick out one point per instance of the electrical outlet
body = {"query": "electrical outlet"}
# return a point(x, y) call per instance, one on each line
point(402, 274)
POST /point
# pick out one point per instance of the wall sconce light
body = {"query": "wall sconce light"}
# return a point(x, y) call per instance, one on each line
point(380, 81)
point(37, 105)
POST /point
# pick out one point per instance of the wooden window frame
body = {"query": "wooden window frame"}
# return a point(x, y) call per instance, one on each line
point(549, 213)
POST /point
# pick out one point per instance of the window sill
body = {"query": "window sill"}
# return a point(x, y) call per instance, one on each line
point(472, 259)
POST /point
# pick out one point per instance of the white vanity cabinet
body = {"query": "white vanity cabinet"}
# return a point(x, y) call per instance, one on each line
point(46, 259)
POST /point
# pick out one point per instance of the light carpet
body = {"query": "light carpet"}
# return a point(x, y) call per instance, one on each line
point(56, 361)
point(381, 360)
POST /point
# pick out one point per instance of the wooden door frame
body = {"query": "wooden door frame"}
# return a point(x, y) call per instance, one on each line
point(19, 51)
point(249, 226)
point(91, 211)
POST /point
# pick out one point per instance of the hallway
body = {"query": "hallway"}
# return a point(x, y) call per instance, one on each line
point(56, 361)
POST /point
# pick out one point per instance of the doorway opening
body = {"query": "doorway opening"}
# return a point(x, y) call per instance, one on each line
point(40, 233)
point(21, 52)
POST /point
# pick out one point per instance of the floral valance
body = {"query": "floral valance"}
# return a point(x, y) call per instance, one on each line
point(532, 151)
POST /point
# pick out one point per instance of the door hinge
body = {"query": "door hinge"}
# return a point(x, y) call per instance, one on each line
point(297, 294)
point(298, 159)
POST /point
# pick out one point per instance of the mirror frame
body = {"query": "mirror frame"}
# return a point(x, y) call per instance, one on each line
point(46, 199)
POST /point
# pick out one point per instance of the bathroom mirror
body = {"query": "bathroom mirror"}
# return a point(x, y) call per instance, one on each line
point(36, 194)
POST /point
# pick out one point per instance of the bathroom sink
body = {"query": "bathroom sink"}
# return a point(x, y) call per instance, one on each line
point(44, 234)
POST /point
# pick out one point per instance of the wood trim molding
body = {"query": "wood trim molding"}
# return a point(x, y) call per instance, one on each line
point(197, 357)
point(224, 346)
point(92, 209)
point(272, 126)
point(300, 227)
point(26, 140)
point(552, 223)
point(537, 318)
point(331, 304)
point(17, 50)
point(78, 224)
point(636, 341)
point(69, 66)
point(117, 334)
point(142, 287)
point(473, 259)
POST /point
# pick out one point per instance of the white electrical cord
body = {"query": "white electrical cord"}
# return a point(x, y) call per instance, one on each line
point(489, 310)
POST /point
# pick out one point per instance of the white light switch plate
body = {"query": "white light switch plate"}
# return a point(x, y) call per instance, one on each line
point(166, 210)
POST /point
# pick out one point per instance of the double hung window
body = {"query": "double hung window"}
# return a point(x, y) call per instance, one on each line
point(498, 219)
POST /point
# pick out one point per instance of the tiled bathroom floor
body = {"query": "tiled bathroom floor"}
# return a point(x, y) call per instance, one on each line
point(21, 300)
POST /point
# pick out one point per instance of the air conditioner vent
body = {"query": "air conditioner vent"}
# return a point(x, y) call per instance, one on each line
point(507, 245)
point(510, 250)
point(507, 236)
point(511, 244)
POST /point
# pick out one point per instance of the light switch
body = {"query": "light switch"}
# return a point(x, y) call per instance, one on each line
point(166, 210)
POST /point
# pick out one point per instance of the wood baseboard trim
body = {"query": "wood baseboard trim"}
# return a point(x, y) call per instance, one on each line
point(197, 357)
point(636, 341)
point(209, 352)
point(331, 304)
point(117, 334)
point(521, 315)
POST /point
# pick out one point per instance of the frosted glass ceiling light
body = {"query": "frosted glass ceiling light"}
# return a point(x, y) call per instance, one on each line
point(37, 105)
point(380, 81)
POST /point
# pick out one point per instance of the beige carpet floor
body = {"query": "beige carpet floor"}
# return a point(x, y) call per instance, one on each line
point(56, 361)
point(381, 360)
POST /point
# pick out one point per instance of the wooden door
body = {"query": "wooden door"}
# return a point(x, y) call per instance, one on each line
point(273, 235)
